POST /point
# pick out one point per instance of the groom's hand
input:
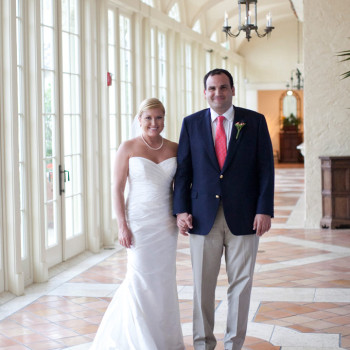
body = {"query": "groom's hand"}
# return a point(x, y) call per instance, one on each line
point(262, 223)
point(184, 223)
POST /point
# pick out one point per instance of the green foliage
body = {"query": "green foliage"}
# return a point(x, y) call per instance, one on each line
point(292, 120)
point(346, 55)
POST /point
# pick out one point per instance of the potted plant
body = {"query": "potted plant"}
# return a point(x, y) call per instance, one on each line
point(346, 54)
point(291, 123)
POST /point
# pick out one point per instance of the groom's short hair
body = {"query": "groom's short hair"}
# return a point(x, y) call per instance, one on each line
point(217, 71)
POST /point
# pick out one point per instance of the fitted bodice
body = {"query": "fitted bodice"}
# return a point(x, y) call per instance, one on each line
point(150, 188)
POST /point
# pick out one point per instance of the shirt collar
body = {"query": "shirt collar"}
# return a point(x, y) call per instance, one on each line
point(229, 114)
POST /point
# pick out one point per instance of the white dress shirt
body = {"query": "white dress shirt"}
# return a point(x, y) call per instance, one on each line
point(228, 123)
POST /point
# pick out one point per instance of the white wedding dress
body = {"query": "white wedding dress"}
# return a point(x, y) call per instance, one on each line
point(144, 312)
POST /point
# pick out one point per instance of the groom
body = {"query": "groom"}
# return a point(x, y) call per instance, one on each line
point(223, 196)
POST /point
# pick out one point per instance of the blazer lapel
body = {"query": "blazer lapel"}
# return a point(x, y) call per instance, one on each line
point(234, 143)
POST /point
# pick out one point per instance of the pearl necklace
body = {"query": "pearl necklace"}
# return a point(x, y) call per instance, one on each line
point(154, 149)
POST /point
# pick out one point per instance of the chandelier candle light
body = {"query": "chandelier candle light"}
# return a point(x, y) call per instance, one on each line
point(248, 27)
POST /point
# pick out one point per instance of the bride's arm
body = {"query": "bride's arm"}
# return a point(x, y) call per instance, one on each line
point(120, 174)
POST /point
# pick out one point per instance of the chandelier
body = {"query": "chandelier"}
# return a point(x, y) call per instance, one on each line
point(250, 22)
point(296, 80)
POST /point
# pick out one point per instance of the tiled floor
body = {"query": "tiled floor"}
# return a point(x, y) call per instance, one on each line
point(300, 298)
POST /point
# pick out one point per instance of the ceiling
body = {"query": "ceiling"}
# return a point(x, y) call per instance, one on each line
point(211, 13)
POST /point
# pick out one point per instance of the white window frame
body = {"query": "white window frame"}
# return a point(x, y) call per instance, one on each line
point(126, 114)
point(26, 243)
point(188, 52)
point(114, 126)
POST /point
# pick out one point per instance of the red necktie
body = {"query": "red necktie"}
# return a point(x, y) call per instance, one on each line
point(220, 141)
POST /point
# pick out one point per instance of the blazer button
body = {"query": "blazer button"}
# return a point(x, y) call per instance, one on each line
point(221, 176)
point(217, 196)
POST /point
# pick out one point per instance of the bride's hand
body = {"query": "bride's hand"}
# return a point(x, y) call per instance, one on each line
point(125, 237)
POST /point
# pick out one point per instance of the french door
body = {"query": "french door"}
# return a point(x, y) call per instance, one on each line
point(2, 270)
point(2, 279)
point(62, 129)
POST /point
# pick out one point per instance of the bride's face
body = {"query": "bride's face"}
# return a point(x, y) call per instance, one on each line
point(152, 122)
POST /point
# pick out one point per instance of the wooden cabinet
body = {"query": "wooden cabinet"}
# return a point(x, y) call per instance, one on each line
point(289, 140)
point(335, 192)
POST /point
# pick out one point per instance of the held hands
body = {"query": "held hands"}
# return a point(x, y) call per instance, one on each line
point(125, 237)
point(262, 223)
point(184, 223)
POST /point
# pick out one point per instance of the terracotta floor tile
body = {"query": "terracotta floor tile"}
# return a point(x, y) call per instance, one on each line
point(46, 312)
point(8, 324)
point(301, 328)
point(299, 309)
point(46, 345)
point(92, 328)
point(320, 315)
point(340, 320)
point(345, 342)
point(324, 306)
point(343, 330)
point(74, 324)
point(29, 338)
point(94, 320)
point(5, 341)
point(265, 308)
point(62, 333)
point(261, 318)
point(277, 322)
point(18, 331)
point(318, 324)
point(340, 310)
point(99, 305)
point(278, 314)
point(298, 319)
point(60, 317)
point(71, 320)
point(75, 340)
point(40, 328)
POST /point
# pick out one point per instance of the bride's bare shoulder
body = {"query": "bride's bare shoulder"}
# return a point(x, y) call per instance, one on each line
point(128, 148)
point(129, 145)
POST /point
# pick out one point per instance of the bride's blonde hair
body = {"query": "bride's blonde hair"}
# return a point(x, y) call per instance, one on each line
point(150, 103)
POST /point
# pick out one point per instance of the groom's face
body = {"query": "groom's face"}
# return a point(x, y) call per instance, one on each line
point(219, 93)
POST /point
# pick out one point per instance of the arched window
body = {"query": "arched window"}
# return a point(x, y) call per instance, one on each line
point(197, 27)
point(148, 2)
point(174, 12)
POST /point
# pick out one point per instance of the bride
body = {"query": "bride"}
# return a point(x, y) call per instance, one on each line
point(144, 312)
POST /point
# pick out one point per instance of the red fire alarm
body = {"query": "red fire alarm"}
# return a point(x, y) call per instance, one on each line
point(109, 79)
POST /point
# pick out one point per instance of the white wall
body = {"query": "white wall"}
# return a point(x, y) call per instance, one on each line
point(270, 60)
point(327, 102)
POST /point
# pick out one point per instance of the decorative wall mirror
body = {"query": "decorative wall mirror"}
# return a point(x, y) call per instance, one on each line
point(290, 110)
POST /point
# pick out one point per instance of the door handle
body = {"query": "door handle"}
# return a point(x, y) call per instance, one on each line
point(63, 178)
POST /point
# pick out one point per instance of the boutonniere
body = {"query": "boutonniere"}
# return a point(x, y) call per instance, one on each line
point(239, 126)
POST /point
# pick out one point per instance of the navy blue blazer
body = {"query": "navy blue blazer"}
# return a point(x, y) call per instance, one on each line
point(245, 185)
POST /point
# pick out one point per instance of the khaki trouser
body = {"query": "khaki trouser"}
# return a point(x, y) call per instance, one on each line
point(240, 257)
